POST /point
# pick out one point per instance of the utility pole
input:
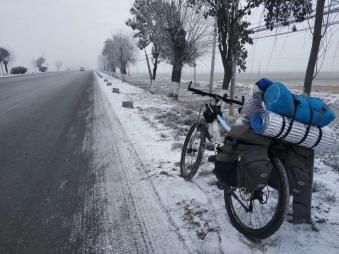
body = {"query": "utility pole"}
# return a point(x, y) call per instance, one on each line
point(213, 56)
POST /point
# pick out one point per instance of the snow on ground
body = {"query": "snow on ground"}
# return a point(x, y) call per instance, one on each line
point(156, 127)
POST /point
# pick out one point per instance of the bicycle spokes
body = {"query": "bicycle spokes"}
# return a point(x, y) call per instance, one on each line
point(192, 151)
point(255, 210)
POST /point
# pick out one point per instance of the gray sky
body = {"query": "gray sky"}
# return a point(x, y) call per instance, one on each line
point(69, 30)
point(73, 31)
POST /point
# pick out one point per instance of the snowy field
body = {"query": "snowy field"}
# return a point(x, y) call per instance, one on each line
point(157, 126)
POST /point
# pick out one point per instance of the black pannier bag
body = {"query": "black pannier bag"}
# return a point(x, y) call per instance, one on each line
point(226, 165)
point(241, 164)
point(254, 166)
point(298, 171)
point(298, 162)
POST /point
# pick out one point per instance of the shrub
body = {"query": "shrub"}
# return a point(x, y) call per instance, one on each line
point(18, 70)
point(43, 68)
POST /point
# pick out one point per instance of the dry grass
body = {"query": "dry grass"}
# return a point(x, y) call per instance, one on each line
point(318, 186)
point(330, 197)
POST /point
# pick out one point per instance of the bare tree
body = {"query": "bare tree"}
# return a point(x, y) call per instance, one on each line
point(110, 53)
point(318, 34)
point(233, 25)
point(1, 69)
point(34, 64)
point(5, 57)
point(178, 32)
point(185, 34)
point(119, 51)
point(40, 62)
point(58, 65)
point(146, 28)
point(103, 63)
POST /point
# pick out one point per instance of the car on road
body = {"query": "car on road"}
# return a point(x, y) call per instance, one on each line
point(82, 68)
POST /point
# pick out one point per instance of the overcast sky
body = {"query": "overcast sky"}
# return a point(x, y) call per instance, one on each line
point(73, 31)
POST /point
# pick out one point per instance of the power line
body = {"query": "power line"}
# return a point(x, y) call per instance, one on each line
point(304, 29)
point(276, 25)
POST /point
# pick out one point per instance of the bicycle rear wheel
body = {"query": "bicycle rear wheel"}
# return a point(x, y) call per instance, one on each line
point(192, 151)
point(259, 214)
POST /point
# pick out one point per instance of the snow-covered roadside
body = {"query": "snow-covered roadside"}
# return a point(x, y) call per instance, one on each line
point(197, 207)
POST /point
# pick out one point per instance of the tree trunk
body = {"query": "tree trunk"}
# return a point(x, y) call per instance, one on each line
point(2, 70)
point(224, 49)
point(315, 46)
point(123, 68)
point(6, 68)
point(232, 88)
point(122, 63)
point(176, 72)
point(227, 74)
point(155, 67)
point(155, 56)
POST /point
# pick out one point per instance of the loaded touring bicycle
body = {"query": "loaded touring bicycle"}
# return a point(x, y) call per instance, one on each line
point(257, 173)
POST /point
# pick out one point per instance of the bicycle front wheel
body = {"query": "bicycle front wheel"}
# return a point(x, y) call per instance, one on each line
point(192, 151)
point(259, 214)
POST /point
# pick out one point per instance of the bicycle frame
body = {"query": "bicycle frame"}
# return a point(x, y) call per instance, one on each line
point(217, 98)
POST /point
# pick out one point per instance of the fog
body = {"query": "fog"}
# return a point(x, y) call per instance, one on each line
point(73, 31)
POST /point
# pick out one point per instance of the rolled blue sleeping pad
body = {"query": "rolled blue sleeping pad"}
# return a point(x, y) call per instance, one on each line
point(260, 121)
point(279, 99)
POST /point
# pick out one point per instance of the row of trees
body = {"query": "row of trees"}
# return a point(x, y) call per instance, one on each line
point(38, 64)
point(234, 28)
point(6, 57)
point(41, 64)
point(176, 31)
point(179, 32)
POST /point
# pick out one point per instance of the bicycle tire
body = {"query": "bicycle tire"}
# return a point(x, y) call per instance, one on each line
point(279, 215)
point(189, 174)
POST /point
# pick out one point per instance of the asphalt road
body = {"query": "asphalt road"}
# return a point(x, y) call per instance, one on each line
point(70, 179)
point(43, 166)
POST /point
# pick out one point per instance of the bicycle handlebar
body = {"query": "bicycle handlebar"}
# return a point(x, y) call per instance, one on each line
point(216, 96)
